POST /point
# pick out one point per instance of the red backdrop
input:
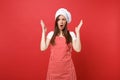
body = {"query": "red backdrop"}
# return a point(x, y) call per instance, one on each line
point(20, 34)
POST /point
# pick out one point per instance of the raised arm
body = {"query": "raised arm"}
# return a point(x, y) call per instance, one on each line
point(44, 41)
point(77, 42)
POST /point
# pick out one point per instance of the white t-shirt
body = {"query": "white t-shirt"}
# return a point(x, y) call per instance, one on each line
point(50, 34)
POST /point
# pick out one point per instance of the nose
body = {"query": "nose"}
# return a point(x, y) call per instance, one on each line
point(61, 21)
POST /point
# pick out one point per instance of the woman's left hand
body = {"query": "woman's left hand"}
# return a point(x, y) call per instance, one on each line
point(77, 29)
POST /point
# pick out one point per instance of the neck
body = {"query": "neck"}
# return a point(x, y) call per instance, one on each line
point(61, 33)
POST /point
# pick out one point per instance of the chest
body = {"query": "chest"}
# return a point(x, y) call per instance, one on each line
point(60, 43)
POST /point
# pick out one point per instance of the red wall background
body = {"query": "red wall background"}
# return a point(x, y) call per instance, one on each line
point(20, 34)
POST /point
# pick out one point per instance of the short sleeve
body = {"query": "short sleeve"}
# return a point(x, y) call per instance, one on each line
point(73, 35)
point(50, 34)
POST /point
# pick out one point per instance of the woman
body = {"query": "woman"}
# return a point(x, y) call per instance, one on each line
point(61, 41)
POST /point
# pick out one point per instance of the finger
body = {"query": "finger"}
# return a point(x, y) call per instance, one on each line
point(41, 21)
point(80, 24)
point(76, 28)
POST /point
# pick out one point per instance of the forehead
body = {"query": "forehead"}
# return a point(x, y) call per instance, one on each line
point(62, 17)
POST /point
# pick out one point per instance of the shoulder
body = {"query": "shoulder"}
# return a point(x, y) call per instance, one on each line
point(50, 34)
point(73, 35)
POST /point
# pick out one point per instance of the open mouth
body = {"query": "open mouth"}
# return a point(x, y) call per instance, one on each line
point(61, 25)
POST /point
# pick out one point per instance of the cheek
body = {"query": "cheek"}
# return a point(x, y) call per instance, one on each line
point(58, 22)
point(64, 22)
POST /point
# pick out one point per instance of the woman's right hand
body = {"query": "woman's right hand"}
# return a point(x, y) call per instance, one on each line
point(44, 29)
point(44, 41)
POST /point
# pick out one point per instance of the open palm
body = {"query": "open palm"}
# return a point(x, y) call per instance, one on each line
point(43, 26)
point(77, 29)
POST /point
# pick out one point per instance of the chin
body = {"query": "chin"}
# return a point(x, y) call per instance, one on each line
point(61, 28)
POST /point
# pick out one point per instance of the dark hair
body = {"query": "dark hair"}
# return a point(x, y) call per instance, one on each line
point(66, 33)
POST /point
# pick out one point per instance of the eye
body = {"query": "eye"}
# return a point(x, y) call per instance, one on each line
point(63, 19)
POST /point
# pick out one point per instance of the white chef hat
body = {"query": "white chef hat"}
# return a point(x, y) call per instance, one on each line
point(65, 13)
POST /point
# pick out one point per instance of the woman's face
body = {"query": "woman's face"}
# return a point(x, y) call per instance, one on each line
point(61, 22)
